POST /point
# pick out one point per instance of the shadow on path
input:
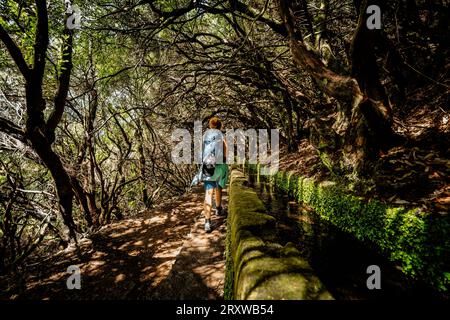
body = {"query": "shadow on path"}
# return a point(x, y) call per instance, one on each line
point(139, 258)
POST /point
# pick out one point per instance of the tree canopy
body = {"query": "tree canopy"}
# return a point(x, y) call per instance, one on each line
point(87, 112)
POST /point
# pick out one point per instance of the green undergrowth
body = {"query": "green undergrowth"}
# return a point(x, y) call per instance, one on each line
point(415, 240)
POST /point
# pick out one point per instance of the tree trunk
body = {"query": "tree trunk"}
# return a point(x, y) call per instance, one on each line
point(365, 116)
point(60, 177)
point(142, 164)
point(39, 133)
point(290, 126)
point(376, 110)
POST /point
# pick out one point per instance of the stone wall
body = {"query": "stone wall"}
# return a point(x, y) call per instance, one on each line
point(257, 266)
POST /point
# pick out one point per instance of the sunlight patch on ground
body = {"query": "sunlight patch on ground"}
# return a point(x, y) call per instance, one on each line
point(120, 277)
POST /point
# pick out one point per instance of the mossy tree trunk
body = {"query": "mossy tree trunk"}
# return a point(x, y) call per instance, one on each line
point(375, 111)
point(365, 116)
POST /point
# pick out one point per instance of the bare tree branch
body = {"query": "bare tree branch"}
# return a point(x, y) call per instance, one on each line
point(10, 128)
point(15, 53)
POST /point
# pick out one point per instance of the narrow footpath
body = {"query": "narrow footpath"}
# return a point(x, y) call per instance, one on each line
point(160, 254)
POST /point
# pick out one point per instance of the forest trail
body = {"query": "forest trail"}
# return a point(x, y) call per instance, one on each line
point(161, 254)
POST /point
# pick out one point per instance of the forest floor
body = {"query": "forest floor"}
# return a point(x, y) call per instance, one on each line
point(414, 174)
point(161, 254)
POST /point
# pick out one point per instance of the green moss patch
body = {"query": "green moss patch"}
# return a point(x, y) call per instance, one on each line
point(416, 240)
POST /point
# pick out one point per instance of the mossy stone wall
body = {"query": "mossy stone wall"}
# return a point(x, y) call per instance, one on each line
point(418, 241)
point(257, 266)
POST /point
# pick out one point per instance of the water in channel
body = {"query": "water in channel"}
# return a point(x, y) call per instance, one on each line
point(338, 258)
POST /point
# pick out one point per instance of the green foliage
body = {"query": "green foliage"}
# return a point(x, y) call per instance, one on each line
point(418, 241)
point(28, 22)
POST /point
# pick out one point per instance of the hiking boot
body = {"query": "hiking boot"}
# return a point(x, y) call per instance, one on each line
point(219, 211)
point(207, 227)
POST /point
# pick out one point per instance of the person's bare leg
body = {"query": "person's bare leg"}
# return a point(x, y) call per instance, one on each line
point(218, 196)
point(207, 209)
point(208, 203)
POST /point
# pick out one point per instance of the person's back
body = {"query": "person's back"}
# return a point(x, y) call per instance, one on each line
point(212, 154)
point(214, 167)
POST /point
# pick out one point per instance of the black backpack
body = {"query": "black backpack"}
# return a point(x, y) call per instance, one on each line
point(209, 165)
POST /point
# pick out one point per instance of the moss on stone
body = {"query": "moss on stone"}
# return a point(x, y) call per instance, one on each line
point(416, 240)
point(267, 271)
point(262, 268)
point(229, 268)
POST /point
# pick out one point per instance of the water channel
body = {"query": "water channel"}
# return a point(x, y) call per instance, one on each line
point(338, 258)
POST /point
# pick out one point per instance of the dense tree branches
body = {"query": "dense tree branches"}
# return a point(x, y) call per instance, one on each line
point(100, 103)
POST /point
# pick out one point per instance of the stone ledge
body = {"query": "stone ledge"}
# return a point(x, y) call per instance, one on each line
point(417, 241)
point(258, 267)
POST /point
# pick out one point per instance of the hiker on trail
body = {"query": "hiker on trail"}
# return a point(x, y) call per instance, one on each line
point(214, 170)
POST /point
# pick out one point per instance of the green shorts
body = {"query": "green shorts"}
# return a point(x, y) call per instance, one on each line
point(220, 175)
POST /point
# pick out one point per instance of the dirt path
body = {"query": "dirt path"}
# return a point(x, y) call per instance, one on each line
point(163, 254)
point(198, 272)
